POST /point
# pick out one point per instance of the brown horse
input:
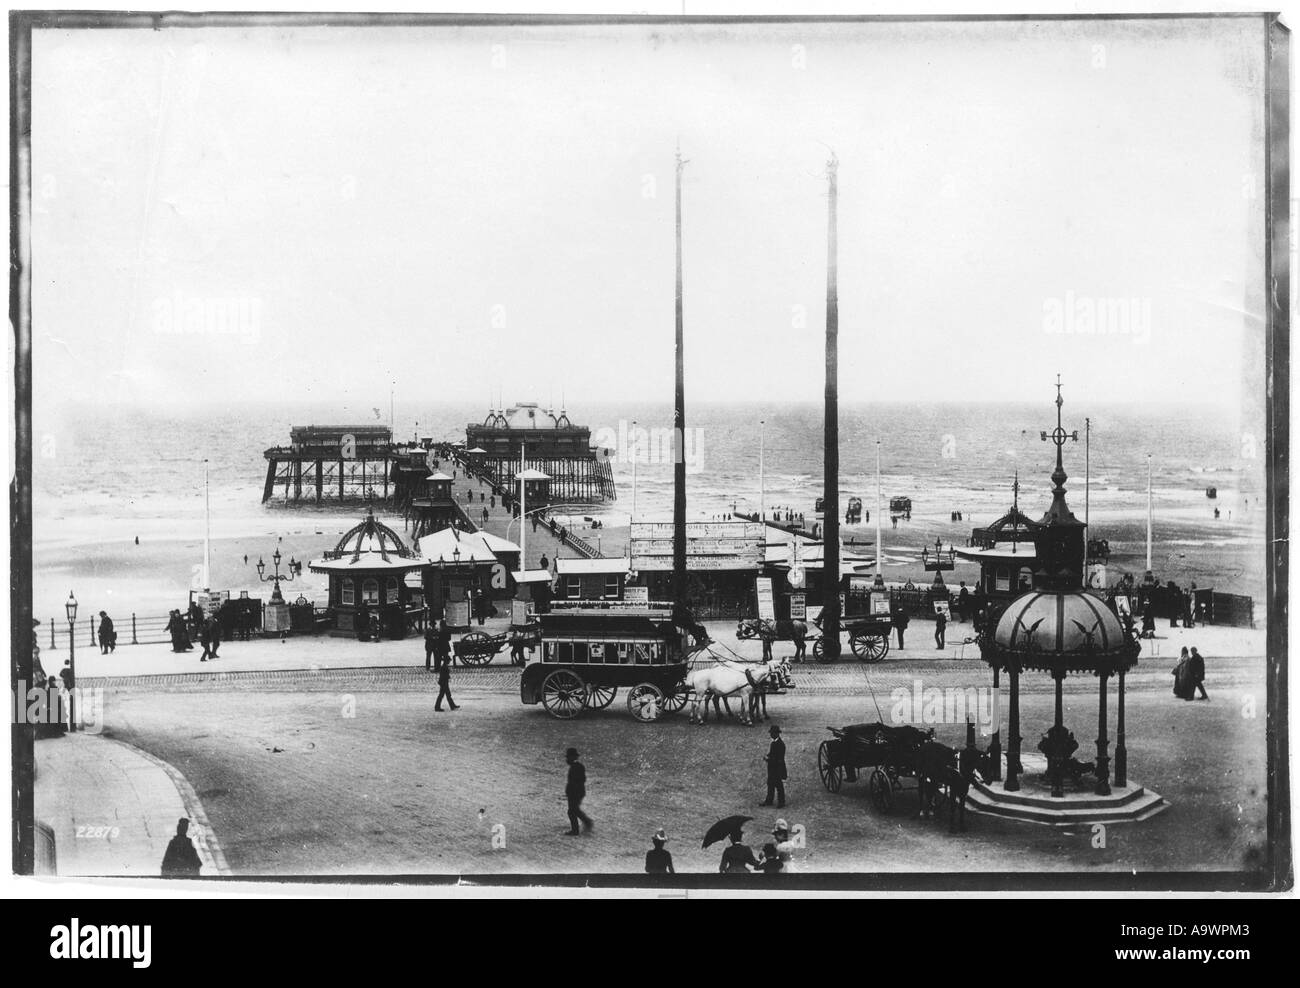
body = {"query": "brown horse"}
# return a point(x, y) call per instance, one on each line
point(937, 766)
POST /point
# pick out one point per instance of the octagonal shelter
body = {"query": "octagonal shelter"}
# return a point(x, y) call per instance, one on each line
point(367, 575)
point(1059, 628)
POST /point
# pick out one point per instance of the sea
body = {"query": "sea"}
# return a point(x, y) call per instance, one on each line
point(112, 474)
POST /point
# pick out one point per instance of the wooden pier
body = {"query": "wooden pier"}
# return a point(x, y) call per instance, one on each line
point(332, 463)
point(579, 472)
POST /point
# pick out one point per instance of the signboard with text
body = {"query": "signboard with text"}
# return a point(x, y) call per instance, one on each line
point(766, 605)
point(709, 546)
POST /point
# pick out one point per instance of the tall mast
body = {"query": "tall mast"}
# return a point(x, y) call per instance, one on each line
point(762, 492)
point(679, 421)
point(635, 452)
point(207, 530)
point(831, 439)
point(1087, 485)
point(880, 551)
point(523, 521)
point(1149, 512)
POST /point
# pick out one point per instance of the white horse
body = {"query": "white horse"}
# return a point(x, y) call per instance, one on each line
point(725, 681)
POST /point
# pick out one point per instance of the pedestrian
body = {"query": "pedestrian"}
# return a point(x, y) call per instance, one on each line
point(107, 636)
point(901, 621)
point(245, 559)
point(575, 791)
point(442, 653)
point(737, 858)
point(212, 631)
point(362, 625)
point(1189, 608)
point(769, 861)
point(1196, 673)
point(176, 628)
point(517, 650)
point(430, 643)
point(776, 772)
point(444, 688)
point(784, 845)
point(492, 501)
point(1148, 619)
point(657, 860)
point(1175, 602)
point(940, 623)
point(963, 602)
point(180, 859)
point(544, 563)
point(1184, 689)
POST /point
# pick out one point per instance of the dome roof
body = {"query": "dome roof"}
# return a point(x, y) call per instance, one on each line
point(1070, 631)
point(369, 545)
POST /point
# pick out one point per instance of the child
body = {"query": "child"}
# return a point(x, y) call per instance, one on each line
point(770, 862)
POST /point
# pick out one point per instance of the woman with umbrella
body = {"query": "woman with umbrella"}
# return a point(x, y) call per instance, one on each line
point(738, 858)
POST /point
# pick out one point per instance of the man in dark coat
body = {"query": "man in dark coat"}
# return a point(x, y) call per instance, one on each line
point(940, 623)
point(575, 791)
point(444, 688)
point(442, 654)
point(430, 644)
point(901, 620)
point(657, 860)
point(107, 636)
point(362, 625)
point(1196, 674)
point(776, 773)
point(963, 602)
point(181, 860)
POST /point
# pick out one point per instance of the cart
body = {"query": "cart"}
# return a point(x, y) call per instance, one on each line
point(889, 752)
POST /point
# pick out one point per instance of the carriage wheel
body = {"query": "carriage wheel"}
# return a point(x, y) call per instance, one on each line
point(645, 702)
point(869, 648)
point(564, 694)
point(819, 650)
point(476, 649)
point(600, 697)
point(832, 775)
point(882, 791)
point(676, 698)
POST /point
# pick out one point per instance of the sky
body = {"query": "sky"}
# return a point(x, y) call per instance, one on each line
point(229, 214)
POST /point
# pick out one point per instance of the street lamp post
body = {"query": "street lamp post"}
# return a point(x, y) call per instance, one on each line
point(295, 568)
point(71, 607)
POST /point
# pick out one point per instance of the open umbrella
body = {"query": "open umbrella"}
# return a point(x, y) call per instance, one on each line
point(724, 828)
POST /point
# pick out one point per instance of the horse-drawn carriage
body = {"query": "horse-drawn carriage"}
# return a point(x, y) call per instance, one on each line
point(891, 753)
point(587, 654)
point(867, 619)
point(901, 506)
point(853, 512)
point(477, 648)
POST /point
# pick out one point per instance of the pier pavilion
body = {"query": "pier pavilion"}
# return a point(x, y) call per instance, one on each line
point(338, 463)
point(578, 472)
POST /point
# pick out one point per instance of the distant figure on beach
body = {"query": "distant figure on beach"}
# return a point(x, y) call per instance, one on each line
point(940, 623)
point(137, 540)
point(657, 860)
point(107, 636)
point(181, 860)
point(1196, 673)
point(245, 559)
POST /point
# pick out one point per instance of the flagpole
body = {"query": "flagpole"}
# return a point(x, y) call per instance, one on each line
point(762, 495)
point(831, 436)
point(523, 507)
point(880, 558)
point(632, 516)
point(1149, 512)
point(207, 530)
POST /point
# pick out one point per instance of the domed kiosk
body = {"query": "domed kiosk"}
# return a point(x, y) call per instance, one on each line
point(1060, 628)
point(367, 576)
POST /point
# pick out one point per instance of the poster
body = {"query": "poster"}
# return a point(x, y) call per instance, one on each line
point(766, 607)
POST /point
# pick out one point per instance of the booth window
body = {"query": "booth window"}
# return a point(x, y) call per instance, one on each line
point(370, 592)
point(394, 595)
point(573, 587)
point(1002, 581)
point(611, 586)
point(348, 594)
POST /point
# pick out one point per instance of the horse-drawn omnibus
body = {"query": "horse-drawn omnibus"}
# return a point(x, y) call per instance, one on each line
point(589, 649)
